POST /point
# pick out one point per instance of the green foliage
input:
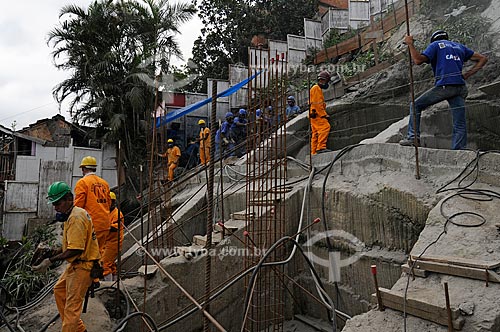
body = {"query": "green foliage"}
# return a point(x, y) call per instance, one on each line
point(113, 51)
point(335, 37)
point(3, 242)
point(467, 29)
point(21, 283)
point(230, 25)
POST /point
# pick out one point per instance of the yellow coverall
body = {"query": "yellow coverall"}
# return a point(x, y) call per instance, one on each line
point(173, 154)
point(205, 145)
point(92, 194)
point(320, 127)
point(70, 289)
point(111, 247)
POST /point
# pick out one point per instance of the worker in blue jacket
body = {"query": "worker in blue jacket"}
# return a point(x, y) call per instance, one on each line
point(292, 110)
point(239, 132)
point(223, 140)
point(447, 59)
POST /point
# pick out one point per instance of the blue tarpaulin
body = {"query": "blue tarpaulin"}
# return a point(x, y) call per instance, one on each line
point(160, 121)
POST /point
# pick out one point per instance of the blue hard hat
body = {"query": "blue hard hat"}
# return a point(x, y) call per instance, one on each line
point(229, 115)
point(291, 98)
point(243, 111)
point(258, 112)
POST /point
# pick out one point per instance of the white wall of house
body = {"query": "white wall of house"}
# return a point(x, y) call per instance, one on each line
point(25, 197)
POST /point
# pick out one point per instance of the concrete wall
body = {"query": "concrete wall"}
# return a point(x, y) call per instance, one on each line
point(351, 123)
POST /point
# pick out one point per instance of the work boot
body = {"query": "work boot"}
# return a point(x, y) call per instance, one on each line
point(323, 151)
point(409, 142)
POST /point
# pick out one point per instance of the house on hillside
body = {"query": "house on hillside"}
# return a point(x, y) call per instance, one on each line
point(34, 157)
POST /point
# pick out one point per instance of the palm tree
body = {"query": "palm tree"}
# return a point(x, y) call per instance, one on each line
point(104, 48)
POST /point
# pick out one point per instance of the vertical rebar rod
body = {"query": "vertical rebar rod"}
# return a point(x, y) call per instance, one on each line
point(150, 195)
point(210, 210)
point(412, 91)
point(309, 128)
point(119, 264)
point(144, 257)
point(448, 307)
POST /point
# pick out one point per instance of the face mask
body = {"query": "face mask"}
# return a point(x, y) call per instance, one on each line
point(61, 217)
point(323, 86)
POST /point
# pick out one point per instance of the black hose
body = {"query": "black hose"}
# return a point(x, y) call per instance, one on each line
point(132, 315)
point(6, 322)
point(466, 192)
point(261, 264)
point(52, 320)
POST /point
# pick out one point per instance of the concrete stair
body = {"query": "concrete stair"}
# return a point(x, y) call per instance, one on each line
point(232, 225)
point(201, 240)
point(190, 251)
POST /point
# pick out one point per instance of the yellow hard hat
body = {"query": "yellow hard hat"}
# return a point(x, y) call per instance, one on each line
point(112, 195)
point(200, 122)
point(170, 140)
point(88, 161)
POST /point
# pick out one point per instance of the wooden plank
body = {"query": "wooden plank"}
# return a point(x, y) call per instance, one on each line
point(389, 295)
point(421, 309)
point(430, 316)
point(456, 270)
point(422, 273)
point(459, 261)
point(390, 22)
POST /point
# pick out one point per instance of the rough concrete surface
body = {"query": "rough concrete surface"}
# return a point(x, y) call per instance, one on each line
point(474, 244)
point(96, 318)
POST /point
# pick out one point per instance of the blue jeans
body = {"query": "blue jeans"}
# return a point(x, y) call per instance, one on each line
point(455, 95)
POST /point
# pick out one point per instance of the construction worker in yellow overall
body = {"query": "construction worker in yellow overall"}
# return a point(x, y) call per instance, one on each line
point(80, 249)
point(320, 126)
point(204, 140)
point(111, 248)
point(172, 154)
point(92, 194)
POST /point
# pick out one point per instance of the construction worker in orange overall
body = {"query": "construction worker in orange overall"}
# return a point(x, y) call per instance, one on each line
point(318, 117)
point(205, 144)
point(92, 194)
point(173, 154)
point(111, 248)
point(80, 249)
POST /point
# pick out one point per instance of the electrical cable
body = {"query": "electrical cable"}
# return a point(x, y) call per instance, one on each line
point(237, 278)
point(11, 329)
point(134, 314)
point(466, 192)
point(52, 320)
point(261, 263)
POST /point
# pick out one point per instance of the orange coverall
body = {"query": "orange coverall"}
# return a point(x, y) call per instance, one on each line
point(205, 145)
point(70, 289)
point(92, 194)
point(173, 155)
point(111, 247)
point(320, 127)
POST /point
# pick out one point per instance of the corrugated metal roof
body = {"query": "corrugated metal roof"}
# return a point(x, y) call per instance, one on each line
point(19, 135)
